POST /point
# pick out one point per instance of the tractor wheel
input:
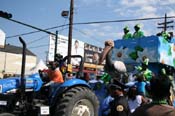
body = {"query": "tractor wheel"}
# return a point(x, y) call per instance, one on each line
point(77, 101)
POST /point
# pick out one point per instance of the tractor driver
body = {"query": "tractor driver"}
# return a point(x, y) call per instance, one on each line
point(54, 73)
point(55, 77)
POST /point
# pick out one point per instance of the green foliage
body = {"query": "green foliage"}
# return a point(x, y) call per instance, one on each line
point(164, 40)
point(169, 51)
point(133, 55)
point(106, 78)
point(139, 48)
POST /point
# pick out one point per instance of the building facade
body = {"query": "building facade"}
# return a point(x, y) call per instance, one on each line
point(11, 60)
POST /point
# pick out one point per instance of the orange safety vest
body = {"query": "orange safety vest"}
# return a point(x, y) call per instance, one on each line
point(56, 76)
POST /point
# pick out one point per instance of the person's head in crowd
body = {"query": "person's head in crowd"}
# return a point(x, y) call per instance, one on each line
point(126, 29)
point(132, 92)
point(160, 88)
point(140, 77)
point(53, 65)
point(58, 58)
point(137, 27)
point(98, 77)
point(115, 90)
point(86, 76)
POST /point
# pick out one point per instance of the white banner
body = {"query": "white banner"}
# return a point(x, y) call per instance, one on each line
point(51, 52)
point(2, 39)
point(62, 47)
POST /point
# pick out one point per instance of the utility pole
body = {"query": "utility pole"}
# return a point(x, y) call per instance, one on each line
point(56, 42)
point(70, 31)
point(165, 24)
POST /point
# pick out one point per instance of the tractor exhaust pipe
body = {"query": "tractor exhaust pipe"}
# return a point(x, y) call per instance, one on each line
point(22, 87)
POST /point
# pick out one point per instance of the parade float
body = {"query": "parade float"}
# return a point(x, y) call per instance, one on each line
point(159, 51)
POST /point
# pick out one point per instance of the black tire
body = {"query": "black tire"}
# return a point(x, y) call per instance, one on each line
point(77, 99)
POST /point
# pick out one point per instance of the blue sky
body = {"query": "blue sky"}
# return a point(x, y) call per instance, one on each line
point(46, 13)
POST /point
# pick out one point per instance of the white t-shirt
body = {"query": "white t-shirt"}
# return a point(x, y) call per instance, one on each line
point(133, 104)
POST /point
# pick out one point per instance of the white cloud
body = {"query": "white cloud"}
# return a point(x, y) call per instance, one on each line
point(148, 9)
point(121, 12)
point(88, 2)
point(171, 13)
point(95, 25)
point(150, 15)
point(136, 3)
point(166, 2)
point(107, 28)
point(145, 12)
point(104, 32)
point(107, 3)
point(136, 8)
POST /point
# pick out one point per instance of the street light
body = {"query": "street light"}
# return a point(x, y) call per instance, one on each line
point(8, 16)
point(65, 14)
point(5, 15)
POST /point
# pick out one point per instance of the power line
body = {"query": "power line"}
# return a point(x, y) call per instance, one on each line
point(43, 37)
point(63, 26)
point(32, 32)
point(52, 44)
point(21, 34)
point(39, 29)
point(84, 33)
point(124, 20)
point(94, 22)
point(39, 46)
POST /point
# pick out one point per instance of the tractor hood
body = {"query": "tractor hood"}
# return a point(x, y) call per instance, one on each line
point(12, 84)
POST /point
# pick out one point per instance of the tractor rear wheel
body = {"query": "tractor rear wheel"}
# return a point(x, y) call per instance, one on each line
point(77, 101)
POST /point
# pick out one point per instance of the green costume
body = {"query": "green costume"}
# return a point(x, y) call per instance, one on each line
point(144, 70)
point(165, 35)
point(127, 34)
point(164, 73)
point(147, 74)
point(106, 78)
point(138, 33)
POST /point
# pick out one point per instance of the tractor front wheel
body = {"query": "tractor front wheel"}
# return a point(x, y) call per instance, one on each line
point(77, 101)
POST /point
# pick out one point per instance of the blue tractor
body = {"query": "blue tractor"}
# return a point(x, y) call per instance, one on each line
point(32, 95)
